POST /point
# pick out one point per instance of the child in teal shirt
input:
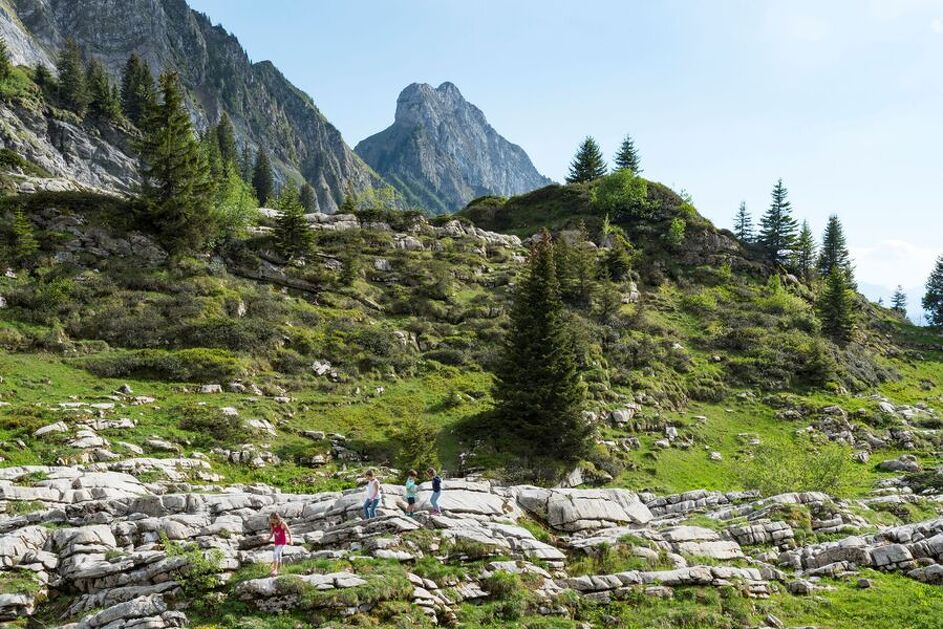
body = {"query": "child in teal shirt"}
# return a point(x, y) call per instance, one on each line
point(411, 489)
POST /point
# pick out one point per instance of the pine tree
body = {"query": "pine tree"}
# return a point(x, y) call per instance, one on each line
point(103, 101)
point(778, 227)
point(73, 87)
point(588, 163)
point(6, 67)
point(743, 224)
point(43, 78)
point(933, 299)
point(177, 188)
point(836, 307)
point(308, 199)
point(214, 162)
point(24, 242)
point(627, 158)
point(262, 179)
point(803, 258)
point(617, 261)
point(834, 249)
point(226, 139)
point(899, 300)
point(246, 163)
point(138, 94)
point(538, 391)
point(293, 237)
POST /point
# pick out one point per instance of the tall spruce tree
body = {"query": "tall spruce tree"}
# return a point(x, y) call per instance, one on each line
point(803, 259)
point(73, 85)
point(588, 163)
point(177, 188)
point(743, 224)
point(309, 200)
point(138, 94)
point(293, 237)
point(899, 300)
point(226, 139)
point(778, 227)
point(6, 67)
point(104, 103)
point(539, 393)
point(262, 179)
point(628, 158)
point(24, 243)
point(836, 307)
point(834, 251)
point(933, 299)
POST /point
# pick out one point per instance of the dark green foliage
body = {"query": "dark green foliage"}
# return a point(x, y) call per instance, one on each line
point(617, 260)
point(187, 365)
point(836, 307)
point(675, 234)
point(834, 250)
point(293, 237)
point(246, 163)
point(43, 78)
point(308, 198)
point(138, 94)
point(416, 444)
point(576, 268)
point(6, 67)
point(212, 426)
point(743, 224)
point(588, 163)
point(627, 158)
point(803, 258)
point(933, 299)
point(104, 101)
point(539, 392)
point(623, 195)
point(226, 140)
point(177, 190)
point(24, 245)
point(899, 300)
point(262, 179)
point(778, 227)
point(73, 86)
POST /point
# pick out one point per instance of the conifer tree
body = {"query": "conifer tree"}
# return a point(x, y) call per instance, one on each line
point(73, 86)
point(588, 163)
point(627, 158)
point(138, 94)
point(103, 101)
point(836, 307)
point(24, 242)
point(226, 140)
point(262, 178)
point(6, 67)
point(743, 224)
point(293, 237)
point(214, 163)
point(899, 300)
point(177, 188)
point(246, 163)
point(617, 261)
point(538, 391)
point(933, 299)
point(43, 78)
point(834, 249)
point(778, 227)
point(308, 199)
point(803, 259)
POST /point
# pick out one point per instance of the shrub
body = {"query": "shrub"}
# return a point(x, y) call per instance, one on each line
point(200, 573)
point(187, 365)
point(416, 439)
point(675, 234)
point(211, 425)
point(780, 469)
point(622, 194)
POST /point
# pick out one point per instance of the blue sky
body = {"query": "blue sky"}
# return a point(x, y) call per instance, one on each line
point(842, 99)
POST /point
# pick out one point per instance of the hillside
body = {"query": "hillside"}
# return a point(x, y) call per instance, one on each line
point(440, 152)
point(149, 404)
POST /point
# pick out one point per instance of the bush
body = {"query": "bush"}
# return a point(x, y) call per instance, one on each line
point(622, 194)
point(211, 425)
point(781, 469)
point(417, 450)
point(187, 365)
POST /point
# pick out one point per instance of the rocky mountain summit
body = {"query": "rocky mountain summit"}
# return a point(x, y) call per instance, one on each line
point(266, 109)
point(441, 153)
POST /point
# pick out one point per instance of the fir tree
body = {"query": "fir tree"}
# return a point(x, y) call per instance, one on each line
point(617, 261)
point(899, 300)
point(308, 199)
point(778, 227)
point(834, 249)
point(588, 163)
point(214, 162)
point(836, 307)
point(24, 242)
point(803, 258)
point(246, 163)
point(43, 78)
point(293, 237)
point(6, 67)
point(226, 139)
point(73, 86)
point(177, 188)
point(627, 158)
point(539, 393)
point(262, 179)
point(743, 224)
point(933, 299)
point(138, 94)
point(103, 101)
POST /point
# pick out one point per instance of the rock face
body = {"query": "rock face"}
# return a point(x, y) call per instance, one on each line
point(441, 153)
point(266, 109)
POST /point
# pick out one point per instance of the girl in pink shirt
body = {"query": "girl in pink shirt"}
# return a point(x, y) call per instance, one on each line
point(280, 534)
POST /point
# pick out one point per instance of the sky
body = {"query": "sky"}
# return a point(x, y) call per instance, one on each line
point(841, 99)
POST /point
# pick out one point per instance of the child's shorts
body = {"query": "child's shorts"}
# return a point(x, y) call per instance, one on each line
point(411, 500)
point(278, 552)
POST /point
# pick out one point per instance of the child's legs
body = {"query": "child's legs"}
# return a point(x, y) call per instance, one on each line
point(435, 500)
point(366, 509)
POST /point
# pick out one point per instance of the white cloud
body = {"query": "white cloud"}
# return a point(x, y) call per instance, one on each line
point(892, 262)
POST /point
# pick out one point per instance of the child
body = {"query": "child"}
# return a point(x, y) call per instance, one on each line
point(280, 535)
point(372, 496)
point(411, 492)
point(436, 491)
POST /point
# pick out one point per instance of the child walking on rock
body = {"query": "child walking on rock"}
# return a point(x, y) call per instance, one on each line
point(436, 491)
point(280, 534)
point(372, 496)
